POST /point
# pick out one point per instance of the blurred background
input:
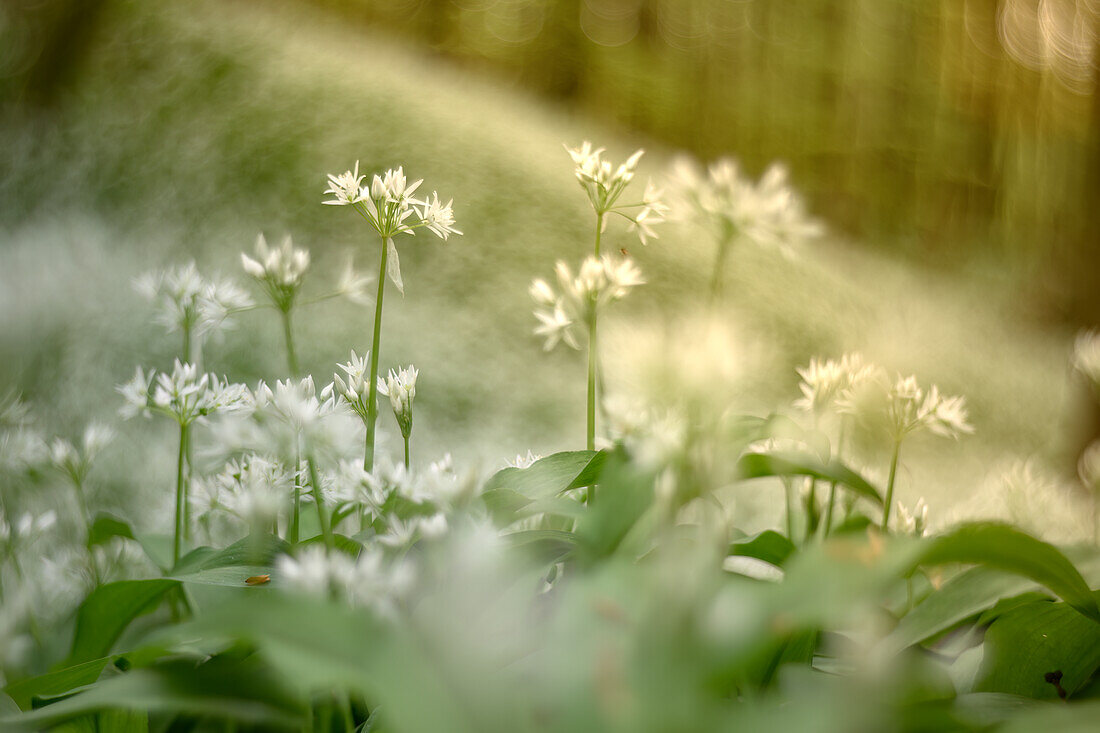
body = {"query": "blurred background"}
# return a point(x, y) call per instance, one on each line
point(952, 148)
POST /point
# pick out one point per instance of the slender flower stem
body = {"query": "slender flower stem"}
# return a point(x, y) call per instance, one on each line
point(890, 485)
point(372, 385)
point(811, 510)
point(288, 333)
point(181, 493)
point(296, 506)
point(192, 354)
point(322, 515)
point(832, 486)
point(788, 492)
point(406, 452)
point(590, 434)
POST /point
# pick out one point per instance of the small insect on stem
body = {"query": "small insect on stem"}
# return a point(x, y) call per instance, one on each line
point(257, 580)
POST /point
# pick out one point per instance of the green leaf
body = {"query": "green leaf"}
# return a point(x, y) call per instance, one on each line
point(252, 550)
point(108, 610)
point(105, 527)
point(761, 465)
point(122, 721)
point(550, 476)
point(769, 546)
point(55, 683)
point(233, 576)
point(964, 596)
point(1032, 640)
point(550, 545)
point(1002, 547)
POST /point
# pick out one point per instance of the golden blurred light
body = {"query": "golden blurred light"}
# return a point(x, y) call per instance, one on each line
point(1053, 36)
point(610, 22)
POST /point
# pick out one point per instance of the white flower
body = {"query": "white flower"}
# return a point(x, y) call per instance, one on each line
point(188, 302)
point(730, 205)
point(825, 383)
point(904, 407)
point(600, 281)
point(913, 523)
point(438, 217)
point(400, 387)
point(353, 284)
point(74, 463)
point(345, 187)
point(279, 270)
point(604, 184)
point(184, 394)
point(353, 390)
point(293, 403)
point(255, 488)
point(370, 581)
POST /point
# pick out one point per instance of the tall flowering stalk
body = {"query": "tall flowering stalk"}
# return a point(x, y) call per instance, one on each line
point(574, 307)
point(604, 185)
point(400, 387)
point(185, 396)
point(901, 409)
point(388, 206)
point(731, 208)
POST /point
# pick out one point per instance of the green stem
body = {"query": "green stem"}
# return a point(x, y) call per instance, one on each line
point(406, 452)
point(288, 333)
point(296, 507)
point(192, 354)
point(811, 510)
point(590, 442)
point(322, 515)
point(788, 491)
point(345, 712)
point(372, 385)
point(181, 494)
point(890, 485)
point(832, 486)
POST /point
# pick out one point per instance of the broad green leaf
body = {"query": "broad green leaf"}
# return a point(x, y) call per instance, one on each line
point(1055, 718)
point(108, 610)
point(761, 465)
point(1002, 547)
point(243, 690)
point(1036, 639)
point(55, 683)
point(550, 545)
point(769, 546)
point(251, 550)
point(105, 527)
point(233, 576)
point(122, 721)
point(550, 476)
point(963, 596)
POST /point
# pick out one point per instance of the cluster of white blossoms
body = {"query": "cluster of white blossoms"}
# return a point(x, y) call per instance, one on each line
point(22, 446)
point(604, 184)
point(27, 527)
point(254, 488)
point(185, 395)
point(75, 462)
point(372, 580)
point(389, 207)
point(280, 270)
point(600, 281)
point(730, 205)
point(294, 403)
point(400, 387)
point(188, 302)
point(854, 387)
point(353, 388)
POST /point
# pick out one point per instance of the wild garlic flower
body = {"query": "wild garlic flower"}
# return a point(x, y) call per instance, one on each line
point(280, 271)
point(293, 403)
point(389, 207)
point(21, 446)
point(604, 185)
point(354, 284)
point(369, 581)
point(905, 407)
point(188, 302)
point(26, 528)
point(255, 488)
point(600, 281)
point(730, 205)
point(400, 387)
point(524, 461)
point(354, 389)
point(184, 394)
point(75, 463)
point(1086, 356)
point(825, 383)
point(913, 523)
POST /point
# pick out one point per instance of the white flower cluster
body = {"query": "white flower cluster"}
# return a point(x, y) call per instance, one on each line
point(75, 462)
point(188, 302)
point(185, 395)
point(279, 270)
point(389, 207)
point(255, 488)
point(370, 581)
point(605, 183)
point(294, 403)
point(27, 527)
point(601, 280)
point(352, 388)
point(400, 387)
point(852, 386)
point(22, 447)
point(769, 212)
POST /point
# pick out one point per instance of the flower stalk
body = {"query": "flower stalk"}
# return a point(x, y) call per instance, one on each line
point(372, 399)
